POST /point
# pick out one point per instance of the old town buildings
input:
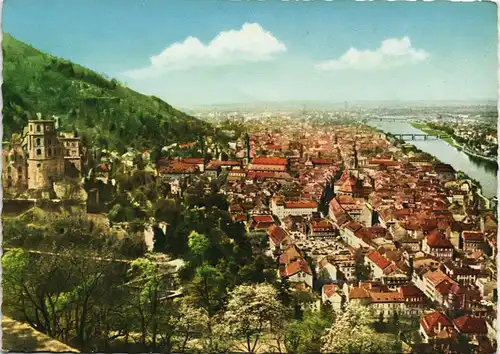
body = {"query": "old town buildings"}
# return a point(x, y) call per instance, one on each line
point(40, 157)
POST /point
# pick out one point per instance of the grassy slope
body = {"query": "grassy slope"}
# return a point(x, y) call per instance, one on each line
point(103, 111)
point(426, 129)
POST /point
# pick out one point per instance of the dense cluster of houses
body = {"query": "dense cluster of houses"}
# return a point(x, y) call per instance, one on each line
point(339, 201)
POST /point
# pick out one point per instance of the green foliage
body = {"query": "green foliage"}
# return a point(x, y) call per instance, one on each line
point(104, 111)
point(362, 272)
point(46, 232)
point(305, 336)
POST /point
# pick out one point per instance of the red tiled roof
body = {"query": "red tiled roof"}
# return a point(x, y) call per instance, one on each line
point(235, 208)
point(431, 320)
point(410, 291)
point(187, 144)
point(438, 240)
point(444, 287)
point(301, 205)
point(383, 162)
point(472, 325)
point(239, 217)
point(353, 226)
point(226, 163)
point(276, 234)
point(378, 260)
point(178, 167)
point(270, 161)
point(358, 293)
point(381, 297)
point(295, 267)
point(477, 236)
point(329, 289)
point(193, 160)
point(262, 218)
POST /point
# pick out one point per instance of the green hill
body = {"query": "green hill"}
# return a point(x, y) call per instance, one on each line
point(104, 111)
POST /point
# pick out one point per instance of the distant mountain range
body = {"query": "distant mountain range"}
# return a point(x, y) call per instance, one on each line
point(104, 111)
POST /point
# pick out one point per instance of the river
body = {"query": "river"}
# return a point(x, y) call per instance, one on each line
point(485, 172)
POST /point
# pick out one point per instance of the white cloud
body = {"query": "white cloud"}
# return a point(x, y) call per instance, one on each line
point(251, 43)
point(392, 52)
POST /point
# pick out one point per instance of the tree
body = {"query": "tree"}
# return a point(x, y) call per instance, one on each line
point(362, 272)
point(198, 244)
point(191, 322)
point(351, 333)
point(305, 336)
point(207, 290)
point(250, 310)
point(152, 307)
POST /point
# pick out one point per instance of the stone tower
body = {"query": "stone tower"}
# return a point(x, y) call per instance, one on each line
point(45, 155)
point(71, 145)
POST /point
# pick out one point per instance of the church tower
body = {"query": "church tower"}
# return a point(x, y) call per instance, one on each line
point(246, 159)
point(45, 156)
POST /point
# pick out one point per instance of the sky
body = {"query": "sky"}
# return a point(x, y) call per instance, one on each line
point(197, 52)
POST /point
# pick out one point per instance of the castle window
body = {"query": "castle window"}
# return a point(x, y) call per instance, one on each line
point(38, 128)
point(49, 141)
point(38, 152)
point(38, 165)
point(9, 170)
point(31, 128)
point(7, 158)
point(19, 173)
point(50, 152)
point(38, 142)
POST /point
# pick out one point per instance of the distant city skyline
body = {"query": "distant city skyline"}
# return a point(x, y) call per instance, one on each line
point(193, 53)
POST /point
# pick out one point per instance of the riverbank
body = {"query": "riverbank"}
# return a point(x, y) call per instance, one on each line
point(434, 132)
point(468, 152)
point(480, 170)
point(450, 140)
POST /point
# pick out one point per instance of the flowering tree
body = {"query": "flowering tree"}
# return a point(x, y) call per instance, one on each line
point(252, 309)
point(350, 333)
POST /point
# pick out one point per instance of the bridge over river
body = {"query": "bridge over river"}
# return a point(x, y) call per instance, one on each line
point(410, 136)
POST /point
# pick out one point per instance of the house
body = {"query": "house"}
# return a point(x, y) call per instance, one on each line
point(278, 238)
point(461, 273)
point(395, 278)
point(347, 232)
point(437, 245)
point(357, 294)
point(436, 326)
point(413, 297)
point(177, 170)
point(336, 213)
point(471, 327)
point(472, 241)
point(282, 208)
point(260, 223)
point(437, 285)
point(196, 161)
point(263, 163)
point(294, 267)
point(387, 303)
point(330, 293)
point(463, 298)
point(322, 229)
point(378, 264)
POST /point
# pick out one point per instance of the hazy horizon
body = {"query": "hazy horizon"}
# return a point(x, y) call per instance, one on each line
point(198, 53)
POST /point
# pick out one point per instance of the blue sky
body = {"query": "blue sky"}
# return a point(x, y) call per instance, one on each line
point(273, 50)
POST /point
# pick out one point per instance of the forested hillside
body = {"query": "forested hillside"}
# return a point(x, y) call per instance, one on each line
point(104, 111)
